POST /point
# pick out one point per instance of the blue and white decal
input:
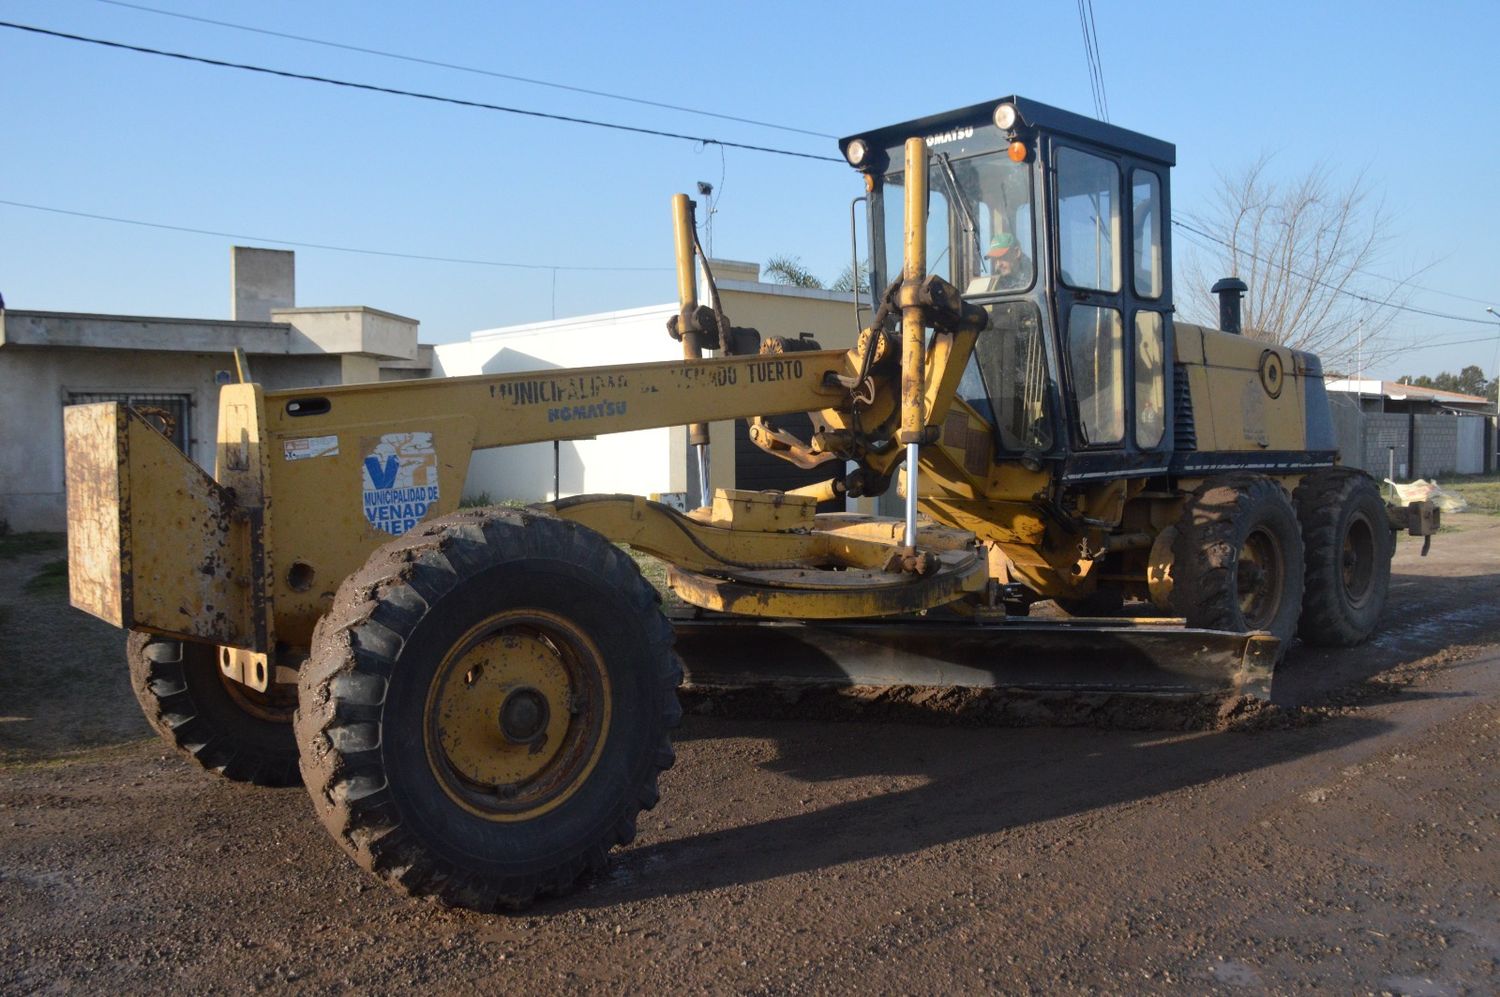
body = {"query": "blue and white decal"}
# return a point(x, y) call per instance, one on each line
point(400, 475)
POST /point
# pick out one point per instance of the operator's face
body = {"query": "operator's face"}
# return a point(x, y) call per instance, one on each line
point(1005, 263)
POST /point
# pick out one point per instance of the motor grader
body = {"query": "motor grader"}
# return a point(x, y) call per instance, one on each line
point(479, 700)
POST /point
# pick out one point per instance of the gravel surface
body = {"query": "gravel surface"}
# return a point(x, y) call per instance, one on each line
point(1351, 843)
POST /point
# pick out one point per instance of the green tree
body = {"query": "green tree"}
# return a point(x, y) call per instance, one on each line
point(789, 270)
point(1469, 381)
point(852, 279)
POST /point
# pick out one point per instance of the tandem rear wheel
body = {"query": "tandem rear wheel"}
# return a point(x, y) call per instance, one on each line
point(1348, 548)
point(233, 731)
point(486, 707)
point(1237, 559)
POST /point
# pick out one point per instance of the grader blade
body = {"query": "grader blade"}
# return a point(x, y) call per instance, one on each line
point(1084, 656)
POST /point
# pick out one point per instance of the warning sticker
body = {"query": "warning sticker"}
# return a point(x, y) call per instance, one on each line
point(310, 446)
point(400, 480)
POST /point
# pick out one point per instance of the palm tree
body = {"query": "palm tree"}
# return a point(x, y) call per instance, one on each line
point(789, 270)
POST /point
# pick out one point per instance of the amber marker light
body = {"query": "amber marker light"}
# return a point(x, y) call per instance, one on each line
point(1017, 151)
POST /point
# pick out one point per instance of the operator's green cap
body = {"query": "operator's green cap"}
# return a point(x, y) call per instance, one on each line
point(1001, 244)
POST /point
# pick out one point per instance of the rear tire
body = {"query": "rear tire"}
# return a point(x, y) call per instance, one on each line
point(240, 734)
point(1348, 549)
point(1237, 561)
point(486, 707)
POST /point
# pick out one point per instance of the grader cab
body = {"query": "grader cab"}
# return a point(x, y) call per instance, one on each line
point(479, 701)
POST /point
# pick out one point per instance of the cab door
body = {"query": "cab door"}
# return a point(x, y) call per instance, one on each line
point(1113, 310)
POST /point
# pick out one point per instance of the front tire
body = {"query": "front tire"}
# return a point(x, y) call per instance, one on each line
point(1349, 548)
point(1237, 561)
point(235, 732)
point(486, 708)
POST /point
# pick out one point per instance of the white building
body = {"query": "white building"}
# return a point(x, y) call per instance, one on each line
point(655, 461)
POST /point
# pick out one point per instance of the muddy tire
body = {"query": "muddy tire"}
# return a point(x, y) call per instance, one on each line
point(1237, 562)
point(485, 711)
point(1348, 550)
point(237, 733)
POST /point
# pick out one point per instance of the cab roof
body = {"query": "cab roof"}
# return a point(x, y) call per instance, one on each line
point(1032, 113)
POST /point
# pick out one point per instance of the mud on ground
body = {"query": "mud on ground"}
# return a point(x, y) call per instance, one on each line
point(1347, 840)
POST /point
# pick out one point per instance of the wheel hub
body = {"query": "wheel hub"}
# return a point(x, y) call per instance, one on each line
point(523, 716)
point(516, 714)
point(1258, 578)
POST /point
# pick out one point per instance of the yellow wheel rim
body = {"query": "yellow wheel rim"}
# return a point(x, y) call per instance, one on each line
point(517, 714)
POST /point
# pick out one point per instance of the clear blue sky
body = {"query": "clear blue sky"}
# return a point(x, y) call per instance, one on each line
point(1404, 92)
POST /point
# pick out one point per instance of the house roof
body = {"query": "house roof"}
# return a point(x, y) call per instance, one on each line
point(1396, 391)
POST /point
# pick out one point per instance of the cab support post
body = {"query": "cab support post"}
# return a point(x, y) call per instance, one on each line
point(913, 326)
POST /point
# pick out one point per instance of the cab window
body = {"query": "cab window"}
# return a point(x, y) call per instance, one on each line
point(1088, 218)
point(1150, 380)
point(1008, 380)
point(1145, 213)
point(940, 259)
point(1097, 363)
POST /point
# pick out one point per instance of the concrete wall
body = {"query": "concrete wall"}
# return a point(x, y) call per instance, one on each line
point(260, 280)
point(1444, 444)
point(1348, 428)
point(36, 382)
point(1436, 445)
point(639, 463)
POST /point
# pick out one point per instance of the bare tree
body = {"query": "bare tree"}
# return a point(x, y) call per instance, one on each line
point(1308, 249)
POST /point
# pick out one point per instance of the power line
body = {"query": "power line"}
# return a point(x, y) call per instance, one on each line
point(1098, 62)
point(1332, 287)
point(373, 88)
point(317, 245)
point(462, 68)
point(1091, 56)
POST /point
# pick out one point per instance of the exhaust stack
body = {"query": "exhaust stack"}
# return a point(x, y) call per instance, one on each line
point(1230, 290)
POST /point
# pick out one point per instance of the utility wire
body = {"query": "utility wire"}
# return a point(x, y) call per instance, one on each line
point(1098, 61)
point(462, 68)
point(1332, 287)
point(1091, 56)
point(373, 88)
point(318, 245)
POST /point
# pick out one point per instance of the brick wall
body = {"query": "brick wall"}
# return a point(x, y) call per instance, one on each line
point(1437, 446)
point(1381, 432)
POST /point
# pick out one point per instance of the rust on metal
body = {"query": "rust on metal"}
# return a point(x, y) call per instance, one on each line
point(139, 512)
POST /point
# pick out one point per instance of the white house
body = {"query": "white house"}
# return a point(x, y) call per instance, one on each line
point(653, 461)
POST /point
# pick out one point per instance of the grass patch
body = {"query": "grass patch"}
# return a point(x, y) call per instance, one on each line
point(14, 545)
point(51, 580)
point(1482, 492)
point(483, 499)
point(655, 571)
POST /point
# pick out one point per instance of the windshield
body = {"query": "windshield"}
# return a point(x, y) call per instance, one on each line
point(979, 224)
point(1007, 380)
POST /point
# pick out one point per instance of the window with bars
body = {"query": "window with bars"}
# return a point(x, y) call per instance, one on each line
point(168, 413)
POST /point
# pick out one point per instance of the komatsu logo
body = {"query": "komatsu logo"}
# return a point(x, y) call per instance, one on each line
point(956, 135)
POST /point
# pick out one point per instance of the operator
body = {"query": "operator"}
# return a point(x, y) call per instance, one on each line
point(1010, 268)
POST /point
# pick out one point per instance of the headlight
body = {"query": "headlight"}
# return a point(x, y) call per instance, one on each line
point(856, 152)
point(1005, 117)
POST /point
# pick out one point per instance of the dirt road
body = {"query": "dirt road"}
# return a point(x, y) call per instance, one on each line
point(1353, 847)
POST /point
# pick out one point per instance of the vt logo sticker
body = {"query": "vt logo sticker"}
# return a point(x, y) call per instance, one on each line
point(382, 477)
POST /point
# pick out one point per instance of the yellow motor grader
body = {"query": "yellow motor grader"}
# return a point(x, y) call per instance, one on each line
point(479, 701)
